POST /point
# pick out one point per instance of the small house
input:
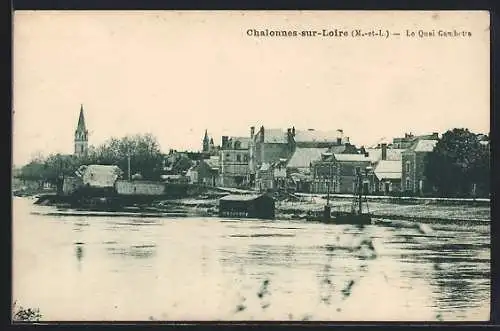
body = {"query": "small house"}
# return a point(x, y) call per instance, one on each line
point(247, 206)
point(99, 179)
point(388, 176)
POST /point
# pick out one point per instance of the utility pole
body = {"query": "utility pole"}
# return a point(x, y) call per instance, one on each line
point(328, 185)
point(128, 162)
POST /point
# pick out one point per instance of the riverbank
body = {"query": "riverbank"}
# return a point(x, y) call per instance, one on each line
point(296, 207)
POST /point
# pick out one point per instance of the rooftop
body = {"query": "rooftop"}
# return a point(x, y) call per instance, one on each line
point(424, 145)
point(352, 157)
point(393, 154)
point(97, 175)
point(274, 136)
point(387, 169)
point(302, 157)
point(316, 136)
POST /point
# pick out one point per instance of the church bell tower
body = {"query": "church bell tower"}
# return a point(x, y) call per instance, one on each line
point(81, 136)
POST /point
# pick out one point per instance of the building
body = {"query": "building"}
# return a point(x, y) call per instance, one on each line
point(81, 136)
point(192, 174)
point(272, 176)
point(209, 147)
point(336, 173)
point(248, 206)
point(234, 161)
point(268, 146)
point(312, 138)
point(413, 163)
point(302, 159)
point(409, 139)
point(298, 167)
point(388, 176)
point(99, 179)
point(208, 171)
point(264, 180)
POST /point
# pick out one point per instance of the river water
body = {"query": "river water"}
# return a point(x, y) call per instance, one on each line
point(125, 268)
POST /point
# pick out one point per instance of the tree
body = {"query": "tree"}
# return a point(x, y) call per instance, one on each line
point(35, 170)
point(144, 151)
point(458, 162)
point(181, 165)
point(145, 158)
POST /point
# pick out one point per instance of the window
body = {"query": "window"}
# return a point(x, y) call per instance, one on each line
point(357, 170)
point(245, 158)
point(238, 158)
point(227, 156)
point(407, 184)
point(407, 166)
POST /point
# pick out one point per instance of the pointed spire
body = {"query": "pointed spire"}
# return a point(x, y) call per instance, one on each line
point(206, 135)
point(81, 121)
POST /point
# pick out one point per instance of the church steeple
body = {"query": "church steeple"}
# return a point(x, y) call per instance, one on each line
point(81, 135)
point(206, 142)
point(81, 121)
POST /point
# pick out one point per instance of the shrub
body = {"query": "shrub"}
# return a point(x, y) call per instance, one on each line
point(21, 314)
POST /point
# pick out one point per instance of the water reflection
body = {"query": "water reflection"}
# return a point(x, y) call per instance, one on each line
point(135, 251)
point(79, 252)
point(193, 269)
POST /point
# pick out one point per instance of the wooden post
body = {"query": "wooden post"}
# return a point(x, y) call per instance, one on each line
point(128, 163)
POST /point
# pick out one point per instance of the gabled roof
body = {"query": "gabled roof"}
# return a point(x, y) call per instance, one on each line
point(96, 175)
point(316, 136)
point(423, 145)
point(393, 154)
point(302, 157)
point(275, 136)
point(386, 169)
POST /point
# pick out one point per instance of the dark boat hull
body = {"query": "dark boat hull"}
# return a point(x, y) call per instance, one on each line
point(348, 218)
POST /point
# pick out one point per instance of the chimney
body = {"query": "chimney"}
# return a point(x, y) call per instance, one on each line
point(262, 133)
point(224, 141)
point(339, 141)
point(384, 151)
point(293, 131)
point(252, 132)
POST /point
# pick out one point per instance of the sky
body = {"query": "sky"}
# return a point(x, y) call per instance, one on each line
point(175, 74)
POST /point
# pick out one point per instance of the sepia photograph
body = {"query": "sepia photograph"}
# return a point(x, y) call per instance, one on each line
point(251, 166)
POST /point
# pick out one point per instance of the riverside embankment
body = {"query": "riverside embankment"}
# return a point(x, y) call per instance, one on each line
point(293, 207)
